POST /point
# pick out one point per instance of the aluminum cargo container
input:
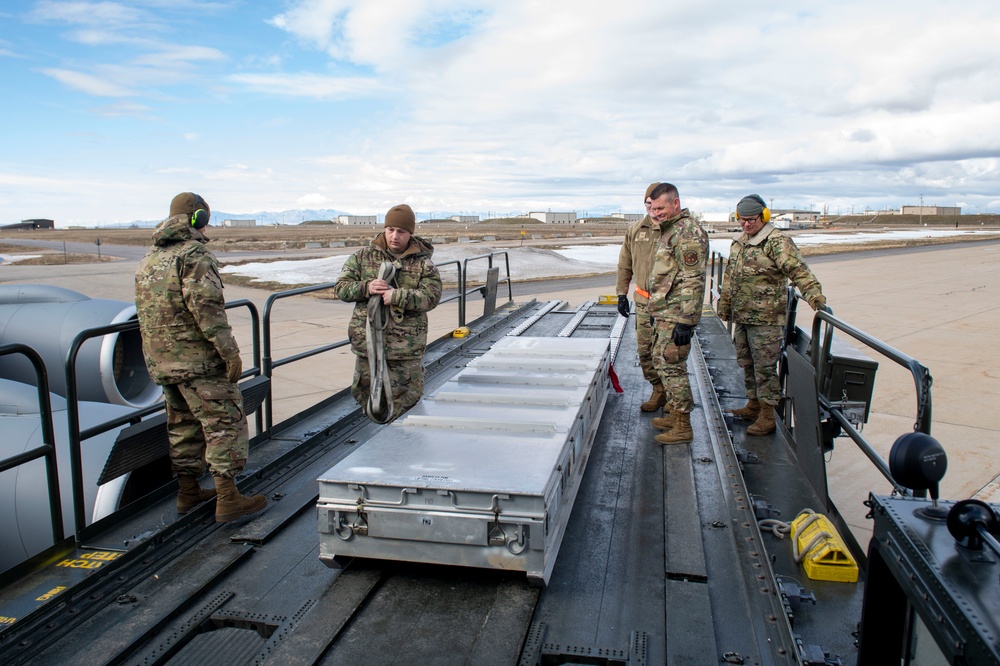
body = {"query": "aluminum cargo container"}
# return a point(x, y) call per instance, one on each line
point(483, 471)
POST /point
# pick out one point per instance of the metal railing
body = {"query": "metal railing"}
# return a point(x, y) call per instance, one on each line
point(269, 363)
point(714, 276)
point(48, 448)
point(463, 280)
point(716, 271)
point(458, 294)
point(76, 437)
point(263, 363)
point(921, 377)
point(824, 323)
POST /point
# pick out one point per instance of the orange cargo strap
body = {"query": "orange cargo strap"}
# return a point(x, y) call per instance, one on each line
point(642, 292)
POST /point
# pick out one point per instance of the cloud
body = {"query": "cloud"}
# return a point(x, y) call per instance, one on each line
point(112, 14)
point(379, 34)
point(125, 109)
point(309, 85)
point(475, 104)
point(88, 83)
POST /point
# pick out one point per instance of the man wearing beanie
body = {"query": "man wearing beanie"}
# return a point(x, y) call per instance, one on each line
point(676, 293)
point(393, 284)
point(190, 351)
point(755, 297)
point(635, 260)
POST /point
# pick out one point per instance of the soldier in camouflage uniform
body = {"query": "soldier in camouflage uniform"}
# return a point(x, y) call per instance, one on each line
point(190, 351)
point(677, 289)
point(413, 291)
point(755, 297)
point(635, 261)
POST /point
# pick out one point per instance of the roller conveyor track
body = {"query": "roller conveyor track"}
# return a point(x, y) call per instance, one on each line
point(628, 584)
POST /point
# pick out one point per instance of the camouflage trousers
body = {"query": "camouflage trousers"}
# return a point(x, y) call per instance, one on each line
point(644, 343)
point(757, 350)
point(205, 424)
point(671, 366)
point(407, 379)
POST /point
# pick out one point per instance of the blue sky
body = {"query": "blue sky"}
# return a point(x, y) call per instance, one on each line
point(111, 108)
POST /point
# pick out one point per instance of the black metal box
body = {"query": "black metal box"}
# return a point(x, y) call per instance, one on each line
point(848, 374)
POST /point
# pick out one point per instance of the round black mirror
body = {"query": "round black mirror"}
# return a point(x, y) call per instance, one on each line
point(918, 461)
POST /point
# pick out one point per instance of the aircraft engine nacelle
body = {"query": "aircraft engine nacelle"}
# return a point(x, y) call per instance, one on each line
point(108, 369)
point(25, 523)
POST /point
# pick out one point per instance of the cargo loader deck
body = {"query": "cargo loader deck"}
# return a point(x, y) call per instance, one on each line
point(660, 558)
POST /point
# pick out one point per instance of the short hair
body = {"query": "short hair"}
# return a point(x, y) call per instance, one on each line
point(664, 188)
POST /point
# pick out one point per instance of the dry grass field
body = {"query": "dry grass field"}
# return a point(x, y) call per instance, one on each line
point(501, 232)
point(299, 236)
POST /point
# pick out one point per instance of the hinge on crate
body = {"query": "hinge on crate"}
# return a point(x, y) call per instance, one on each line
point(360, 524)
point(496, 536)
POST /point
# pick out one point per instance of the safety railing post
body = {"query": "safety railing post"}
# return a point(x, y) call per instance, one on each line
point(48, 448)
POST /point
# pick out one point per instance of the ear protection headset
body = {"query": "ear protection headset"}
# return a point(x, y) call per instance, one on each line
point(764, 214)
point(200, 217)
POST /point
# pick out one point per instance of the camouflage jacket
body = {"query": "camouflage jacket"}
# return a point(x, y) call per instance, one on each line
point(635, 260)
point(180, 305)
point(755, 285)
point(677, 280)
point(417, 291)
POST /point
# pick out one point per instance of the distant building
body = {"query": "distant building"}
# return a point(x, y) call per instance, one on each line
point(465, 219)
point(357, 219)
point(932, 210)
point(239, 223)
point(554, 218)
point(628, 217)
point(796, 216)
point(786, 218)
point(30, 225)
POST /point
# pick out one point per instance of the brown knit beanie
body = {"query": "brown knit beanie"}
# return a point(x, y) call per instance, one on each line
point(649, 190)
point(187, 203)
point(401, 217)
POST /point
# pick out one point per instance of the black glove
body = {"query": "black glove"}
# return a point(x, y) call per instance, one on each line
point(623, 305)
point(682, 334)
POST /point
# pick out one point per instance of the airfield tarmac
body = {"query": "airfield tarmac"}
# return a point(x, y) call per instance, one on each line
point(938, 304)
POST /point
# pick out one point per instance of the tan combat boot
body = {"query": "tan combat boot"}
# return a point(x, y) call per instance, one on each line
point(191, 494)
point(764, 423)
point(656, 400)
point(680, 429)
point(747, 412)
point(663, 422)
point(230, 505)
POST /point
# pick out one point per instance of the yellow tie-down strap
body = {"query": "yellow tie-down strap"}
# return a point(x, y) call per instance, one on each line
point(821, 550)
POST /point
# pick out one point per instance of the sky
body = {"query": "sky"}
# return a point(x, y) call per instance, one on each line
point(495, 107)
